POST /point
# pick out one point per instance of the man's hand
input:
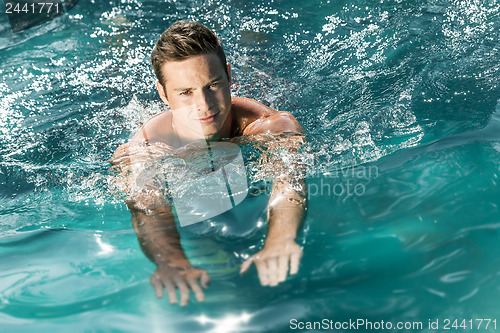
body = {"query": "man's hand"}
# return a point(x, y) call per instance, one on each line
point(273, 261)
point(186, 278)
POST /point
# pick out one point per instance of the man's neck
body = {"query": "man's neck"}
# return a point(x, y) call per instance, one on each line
point(229, 130)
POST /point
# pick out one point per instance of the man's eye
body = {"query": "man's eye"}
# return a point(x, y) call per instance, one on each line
point(213, 85)
point(183, 93)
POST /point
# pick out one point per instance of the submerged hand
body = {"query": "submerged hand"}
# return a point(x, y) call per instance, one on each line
point(273, 261)
point(186, 278)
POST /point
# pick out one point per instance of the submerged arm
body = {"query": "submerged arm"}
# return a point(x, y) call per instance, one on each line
point(160, 242)
point(158, 236)
point(285, 214)
point(287, 202)
point(154, 224)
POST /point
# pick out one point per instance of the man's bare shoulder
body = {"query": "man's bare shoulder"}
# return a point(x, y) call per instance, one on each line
point(157, 129)
point(249, 108)
point(256, 118)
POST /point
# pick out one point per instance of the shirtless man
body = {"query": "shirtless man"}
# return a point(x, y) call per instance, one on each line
point(194, 81)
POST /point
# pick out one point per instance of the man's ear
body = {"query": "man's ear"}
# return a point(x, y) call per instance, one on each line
point(229, 73)
point(161, 92)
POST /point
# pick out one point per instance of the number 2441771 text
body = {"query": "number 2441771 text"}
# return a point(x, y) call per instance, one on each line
point(32, 8)
point(476, 324)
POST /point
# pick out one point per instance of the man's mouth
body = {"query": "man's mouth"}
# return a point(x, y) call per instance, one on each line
point(208, 120)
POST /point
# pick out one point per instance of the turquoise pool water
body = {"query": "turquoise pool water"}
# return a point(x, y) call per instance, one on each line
point(399, 98)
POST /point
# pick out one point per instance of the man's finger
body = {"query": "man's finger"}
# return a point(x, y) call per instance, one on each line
point(246, 265)
point(198, 293)
point(283, 267)
point(205, 279)
point(263, 272)
point(272, 272)
point(157, 285)
point(171, 293)
point(294, 263)
point(183, 291)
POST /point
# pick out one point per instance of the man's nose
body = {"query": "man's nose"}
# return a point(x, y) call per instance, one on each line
point(202, 102)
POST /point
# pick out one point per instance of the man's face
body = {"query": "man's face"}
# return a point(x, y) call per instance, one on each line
point(198, 93)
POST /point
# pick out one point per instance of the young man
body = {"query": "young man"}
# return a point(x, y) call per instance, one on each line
point(194, 81)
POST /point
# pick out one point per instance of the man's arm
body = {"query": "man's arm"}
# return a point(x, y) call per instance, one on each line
point(281, 251)
point(160, 242)
point(154, 225)
point(286, 206)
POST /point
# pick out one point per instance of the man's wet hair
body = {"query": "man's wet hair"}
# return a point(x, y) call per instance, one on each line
point(182, 40)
